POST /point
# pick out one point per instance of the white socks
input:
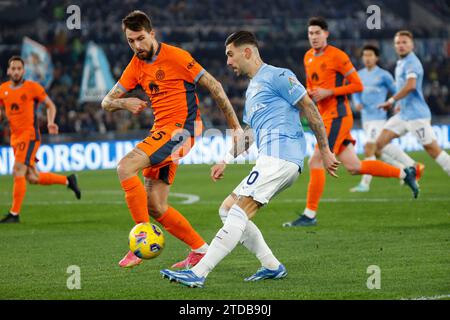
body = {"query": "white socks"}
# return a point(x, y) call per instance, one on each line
point(443, 159)
point(398, 154)
point(253, 240)
point(391, 161)
point(202, 249)
point(225, 241)
point(309, 213)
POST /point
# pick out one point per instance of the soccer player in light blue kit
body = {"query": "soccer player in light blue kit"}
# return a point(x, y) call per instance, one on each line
point(377, 84)
point(273, 100)
point(414, 115)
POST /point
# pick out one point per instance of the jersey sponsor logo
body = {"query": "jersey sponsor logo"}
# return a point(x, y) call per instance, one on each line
point(315, 77)
point(14, 107)
point(154, 88)
point(160, 75)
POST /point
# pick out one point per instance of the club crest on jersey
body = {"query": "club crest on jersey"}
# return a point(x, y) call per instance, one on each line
point(160, 75)
point(140, 237)
point(23, 97)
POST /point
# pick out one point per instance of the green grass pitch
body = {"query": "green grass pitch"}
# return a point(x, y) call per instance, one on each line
point(408, 239)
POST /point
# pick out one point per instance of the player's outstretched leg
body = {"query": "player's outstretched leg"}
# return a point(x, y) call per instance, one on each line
point(225, 241)
point(173, 221)
point(177, 225)
point(369, 151)
point(378, 169)
point(253, 240)
point(48, 178)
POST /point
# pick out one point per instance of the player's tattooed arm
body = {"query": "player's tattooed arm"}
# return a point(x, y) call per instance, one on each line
point(114, 101)
point(215, 88)
point(309, 109)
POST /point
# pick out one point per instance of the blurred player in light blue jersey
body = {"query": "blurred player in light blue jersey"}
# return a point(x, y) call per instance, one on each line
point(414, 115)
point(377, 84)
point(273, 100)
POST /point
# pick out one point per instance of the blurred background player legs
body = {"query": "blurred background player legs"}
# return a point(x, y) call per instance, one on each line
point(354, 166)
point(372, 129)
point(26, 171)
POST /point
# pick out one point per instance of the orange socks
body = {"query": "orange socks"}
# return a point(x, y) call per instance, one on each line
point(178, 226)
point(379, 169)
point(51, 178)
point(136, 199)
point(19, 190)
point(315, 188)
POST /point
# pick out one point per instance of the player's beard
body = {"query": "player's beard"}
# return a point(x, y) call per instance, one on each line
point(18, 81)
point(148, 56)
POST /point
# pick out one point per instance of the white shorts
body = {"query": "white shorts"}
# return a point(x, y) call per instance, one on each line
point(372, 129)
point(268, 177)
point(420, 128)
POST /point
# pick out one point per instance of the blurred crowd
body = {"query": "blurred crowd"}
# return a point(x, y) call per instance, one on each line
point(201, 26)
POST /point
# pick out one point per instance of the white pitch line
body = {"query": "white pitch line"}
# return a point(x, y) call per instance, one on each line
point(429, 298)
point(194, 199)
point(189, 198)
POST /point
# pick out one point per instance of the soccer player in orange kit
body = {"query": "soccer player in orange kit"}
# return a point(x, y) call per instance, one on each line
point(330, 78)
point(169, 76)
point(20, 99)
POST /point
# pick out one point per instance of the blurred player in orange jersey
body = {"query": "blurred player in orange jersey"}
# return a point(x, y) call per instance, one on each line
point(168, 75)
point(330, 78)
point(20, 99)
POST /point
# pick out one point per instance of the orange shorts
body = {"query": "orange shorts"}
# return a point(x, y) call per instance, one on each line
point(165, 147)
point(338, 131)
point(25, 152)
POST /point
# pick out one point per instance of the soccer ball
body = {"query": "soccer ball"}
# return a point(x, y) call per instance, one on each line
point(146, 240)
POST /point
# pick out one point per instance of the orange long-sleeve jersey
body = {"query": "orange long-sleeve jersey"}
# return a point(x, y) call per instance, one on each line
point(332, 69)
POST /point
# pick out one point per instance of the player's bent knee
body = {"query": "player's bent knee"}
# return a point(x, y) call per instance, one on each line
point(353, 169)
point(433, 149)
point(157, 210)
point(32, 179)
point(123, 170)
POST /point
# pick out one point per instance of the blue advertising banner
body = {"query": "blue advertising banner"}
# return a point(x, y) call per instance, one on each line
point(207, 149)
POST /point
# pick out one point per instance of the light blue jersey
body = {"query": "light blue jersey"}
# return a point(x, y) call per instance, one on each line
point(270, 110)
point(413, 106)
point(377, 83)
